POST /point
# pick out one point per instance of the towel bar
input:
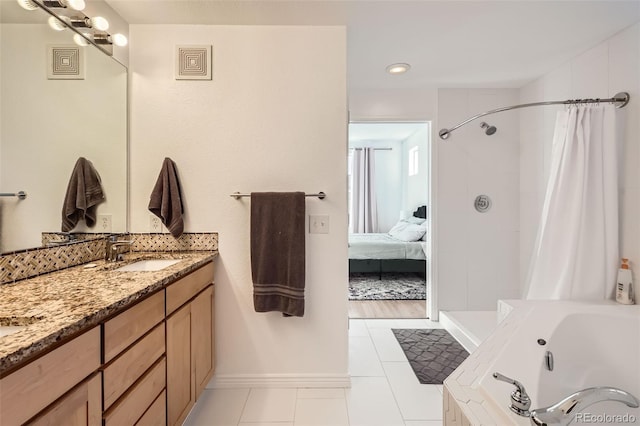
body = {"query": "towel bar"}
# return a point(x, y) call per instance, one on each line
point(321, 195)
point(20, 194)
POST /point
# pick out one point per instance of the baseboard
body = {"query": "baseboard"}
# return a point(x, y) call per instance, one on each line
point(279, 381)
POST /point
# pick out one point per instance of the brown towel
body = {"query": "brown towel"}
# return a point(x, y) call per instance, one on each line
point(277, 252)
point(166, 201)
point(84, 193)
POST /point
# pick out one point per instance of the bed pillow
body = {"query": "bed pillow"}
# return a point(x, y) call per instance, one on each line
point(416, 220)
point(405, 231)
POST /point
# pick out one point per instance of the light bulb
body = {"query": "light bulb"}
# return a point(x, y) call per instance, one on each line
point(79, 40)
point(55, 24)
point(119, 39)
point(75, 4)
point(27, 4)
point(99, 23)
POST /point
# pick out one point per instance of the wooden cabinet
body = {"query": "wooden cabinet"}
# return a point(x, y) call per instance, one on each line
point(180, 386)
point(134, 373)
point(29, 390)
point(145, 366)
point(82, 406)
point(202, 335)
point(190, 361)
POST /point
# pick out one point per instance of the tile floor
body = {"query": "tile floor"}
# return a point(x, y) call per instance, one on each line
point(384, 391)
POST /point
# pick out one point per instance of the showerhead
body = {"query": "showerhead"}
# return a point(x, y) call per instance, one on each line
point(489, 129)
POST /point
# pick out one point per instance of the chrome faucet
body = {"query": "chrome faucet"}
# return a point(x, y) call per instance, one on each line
point(563, 412)
point(520, 401)
point(111, 253)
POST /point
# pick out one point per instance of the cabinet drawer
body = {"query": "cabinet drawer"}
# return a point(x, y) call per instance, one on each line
point(132, 364)
point(140, 397)
point(80, 407)
point(186, 288)
point(29, 390)
point(129, 326)
point(156, 415)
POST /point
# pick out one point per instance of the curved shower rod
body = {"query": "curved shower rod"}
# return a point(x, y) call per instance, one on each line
point(621, 99)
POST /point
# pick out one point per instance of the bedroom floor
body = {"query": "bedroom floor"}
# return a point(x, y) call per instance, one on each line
point(387, 309)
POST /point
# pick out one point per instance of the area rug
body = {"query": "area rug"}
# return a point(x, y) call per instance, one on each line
point(432, 353)
point(392, 286)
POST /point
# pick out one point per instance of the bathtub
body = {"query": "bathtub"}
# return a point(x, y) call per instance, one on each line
point(593, 344)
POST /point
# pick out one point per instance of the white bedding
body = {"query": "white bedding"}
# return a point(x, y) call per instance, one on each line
point(383, 246)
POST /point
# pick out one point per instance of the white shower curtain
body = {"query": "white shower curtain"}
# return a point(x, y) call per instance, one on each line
point(364, 214)
point(576, 251)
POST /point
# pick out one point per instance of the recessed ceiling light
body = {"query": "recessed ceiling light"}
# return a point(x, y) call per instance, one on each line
point(398, 68)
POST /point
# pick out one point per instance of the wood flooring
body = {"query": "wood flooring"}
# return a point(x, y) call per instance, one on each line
point(387, 309)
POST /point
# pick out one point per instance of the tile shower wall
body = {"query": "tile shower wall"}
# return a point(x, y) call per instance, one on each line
point(477, 253)
point(602, 71)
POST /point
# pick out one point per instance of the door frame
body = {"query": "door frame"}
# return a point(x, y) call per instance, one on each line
point(432, 312)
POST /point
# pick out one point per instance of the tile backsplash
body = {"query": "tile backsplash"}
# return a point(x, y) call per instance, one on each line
point(33, 262)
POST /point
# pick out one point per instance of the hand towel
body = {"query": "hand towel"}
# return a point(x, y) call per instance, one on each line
point(278, 252)
point(84, 193)
point(166, 200)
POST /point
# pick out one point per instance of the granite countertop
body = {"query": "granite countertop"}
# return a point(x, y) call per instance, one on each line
point(59, 305)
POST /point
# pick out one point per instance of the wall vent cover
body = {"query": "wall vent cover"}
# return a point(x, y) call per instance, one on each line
point(193, 62)
point(65, 62)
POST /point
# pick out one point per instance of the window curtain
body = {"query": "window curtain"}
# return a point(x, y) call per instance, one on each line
point(576, 251)
point(363, 214)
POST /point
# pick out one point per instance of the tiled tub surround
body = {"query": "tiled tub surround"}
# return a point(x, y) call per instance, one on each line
point(34, 262)
point(59, 305)
point(594, 344)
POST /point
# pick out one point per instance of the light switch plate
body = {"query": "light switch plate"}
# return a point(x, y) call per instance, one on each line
point(319, 224)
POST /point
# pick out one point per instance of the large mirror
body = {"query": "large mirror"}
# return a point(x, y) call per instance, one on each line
point(48, 121)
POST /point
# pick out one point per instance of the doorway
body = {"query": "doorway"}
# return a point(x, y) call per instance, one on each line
point(389, 227)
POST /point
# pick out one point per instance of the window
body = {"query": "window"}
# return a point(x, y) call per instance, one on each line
point(413, 161)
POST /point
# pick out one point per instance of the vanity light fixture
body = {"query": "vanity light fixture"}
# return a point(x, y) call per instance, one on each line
point(27, 4)
point(80, 40)
point(56, 24)
point(72, 4)
point(87, 30)
point(399, 68)
point(97, 22)
point(104, 38)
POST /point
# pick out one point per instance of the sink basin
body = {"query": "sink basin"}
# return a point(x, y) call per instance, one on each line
point(148, 265)
point(6, 330)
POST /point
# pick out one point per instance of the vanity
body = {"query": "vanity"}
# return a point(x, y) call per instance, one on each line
point(98, 345)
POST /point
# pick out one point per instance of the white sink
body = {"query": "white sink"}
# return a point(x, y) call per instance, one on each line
point(6, 330)
point(148, 265)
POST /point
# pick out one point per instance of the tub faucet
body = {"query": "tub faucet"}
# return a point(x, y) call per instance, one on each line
point(563, 412)
point(112, 254)
point(520, 401)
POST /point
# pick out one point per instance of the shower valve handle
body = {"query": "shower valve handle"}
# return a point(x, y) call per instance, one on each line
point(520, 401)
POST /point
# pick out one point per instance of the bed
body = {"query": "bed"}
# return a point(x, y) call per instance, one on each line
point(401, 250)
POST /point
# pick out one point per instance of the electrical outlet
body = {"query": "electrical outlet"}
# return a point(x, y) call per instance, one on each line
point(319, 224)
point(104, 223)
point(155, 224)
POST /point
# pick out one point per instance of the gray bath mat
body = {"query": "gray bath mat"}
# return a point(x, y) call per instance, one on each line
point(432, 353)
point(392, 286)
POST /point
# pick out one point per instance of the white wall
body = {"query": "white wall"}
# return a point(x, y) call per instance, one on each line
point(396, 104)
point(602, 71)
point(273, 118)
point(477, 253)
point(388, 178)
point(48, 124)
point(415, 189)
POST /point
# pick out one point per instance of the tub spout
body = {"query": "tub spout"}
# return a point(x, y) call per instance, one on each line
point(563, 412)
